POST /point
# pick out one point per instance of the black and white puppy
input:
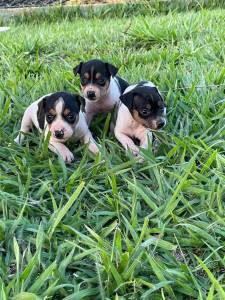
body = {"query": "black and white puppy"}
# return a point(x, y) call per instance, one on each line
point(141, 110)
point(60, 114)
point(100, 87)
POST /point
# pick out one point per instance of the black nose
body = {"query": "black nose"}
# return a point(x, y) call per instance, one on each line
point(91, 94)
point(59, 134)
point(160, 124)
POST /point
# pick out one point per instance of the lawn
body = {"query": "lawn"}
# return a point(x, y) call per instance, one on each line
point(110, 227)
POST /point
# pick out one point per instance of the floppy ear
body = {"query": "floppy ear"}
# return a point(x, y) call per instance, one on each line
point(160, 95)
point(77, 69)
point(82, 103)
point(111, 69)
point(127, 99)
point(41, 113)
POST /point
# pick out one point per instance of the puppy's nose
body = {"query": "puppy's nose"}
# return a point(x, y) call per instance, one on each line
point(160, 124)
point(91, 94)
point(59, 134)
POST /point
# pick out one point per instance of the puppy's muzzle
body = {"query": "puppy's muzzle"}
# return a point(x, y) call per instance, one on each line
point(91, 95)
point(59, 134)
point(160, 124)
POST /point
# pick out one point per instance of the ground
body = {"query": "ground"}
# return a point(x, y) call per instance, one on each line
point(110, 227)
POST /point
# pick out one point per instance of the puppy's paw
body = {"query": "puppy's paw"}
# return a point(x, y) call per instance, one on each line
point(135, 152)
point(67, 155)
point(140, 158)
point(17, 140)
point(93, 148)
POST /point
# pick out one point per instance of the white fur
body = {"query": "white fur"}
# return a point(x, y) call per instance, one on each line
point(104, 104)
point(81, 131)
point(127, 128)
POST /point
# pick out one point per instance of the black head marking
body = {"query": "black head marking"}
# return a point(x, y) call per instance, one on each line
point(77, 69)
point(41, 113)
point(111, 69)
point(72, 102)
point(95, 71)
point(127, 99)
point(143, 82)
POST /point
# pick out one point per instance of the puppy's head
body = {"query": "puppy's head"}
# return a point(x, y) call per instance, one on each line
point(146, 106)
point(61, 113)
point(95, 78)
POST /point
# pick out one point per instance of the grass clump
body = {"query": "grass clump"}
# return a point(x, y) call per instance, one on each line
point(112, 228)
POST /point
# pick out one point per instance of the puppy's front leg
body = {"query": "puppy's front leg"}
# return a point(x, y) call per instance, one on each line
point(61, 150)
point(89, 116)
point(127, 142)
point(26, 125)
point(88, 139)
point(146, 139)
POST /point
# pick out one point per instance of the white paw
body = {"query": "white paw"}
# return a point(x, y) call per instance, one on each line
point(135, 152)
point(18, 140)
point(67, 156)
point(93, 148)
point(140, 158)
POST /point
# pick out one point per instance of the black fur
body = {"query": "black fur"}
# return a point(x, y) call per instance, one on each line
point(71, 101)
point(127, 99)
point(77, 69)
point(92, 67)
point(123, 84)
point(41, 113)
point(146, 100)
point(111, 69)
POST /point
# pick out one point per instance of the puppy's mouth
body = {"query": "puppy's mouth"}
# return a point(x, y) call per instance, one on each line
point(93, 99)
point(153, 127)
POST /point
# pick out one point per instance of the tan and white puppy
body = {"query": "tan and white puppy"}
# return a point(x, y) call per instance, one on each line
point(142, 109)
point(60, 114)
point(100, 87)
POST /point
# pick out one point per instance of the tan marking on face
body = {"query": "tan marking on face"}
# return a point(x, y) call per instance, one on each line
point(148, 123)
point(86, 75)
point(52, 112)
point(66, 112)
point(98, 76)
point(59, 124)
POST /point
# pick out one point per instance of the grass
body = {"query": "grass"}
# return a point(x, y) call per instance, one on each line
point(111, 228)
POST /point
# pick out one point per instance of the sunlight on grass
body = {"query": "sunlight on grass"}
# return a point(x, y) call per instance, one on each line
point(112, 228)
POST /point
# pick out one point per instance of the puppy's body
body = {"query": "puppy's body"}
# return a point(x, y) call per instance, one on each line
point(100, 87)
point(58, 113)
point(141, 110)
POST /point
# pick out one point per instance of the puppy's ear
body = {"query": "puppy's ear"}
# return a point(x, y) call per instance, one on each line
point(127, 99)
point(111, 69)
point(81, 101)
point(41, 113)
point(77, 69)
point(158, 92)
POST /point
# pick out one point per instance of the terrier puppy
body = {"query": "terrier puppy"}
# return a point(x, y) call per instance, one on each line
point(141, 110)
point(100, 87)
point(60, 114)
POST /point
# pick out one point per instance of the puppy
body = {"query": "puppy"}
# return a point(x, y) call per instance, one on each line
point(100, 87)
point(141, 110)
point(60, 114)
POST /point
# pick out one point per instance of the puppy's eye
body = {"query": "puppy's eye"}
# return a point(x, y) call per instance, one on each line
point(50, 118)
point(145, 111)
point(83, 81)
point(101, 81)
point(70, 118)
